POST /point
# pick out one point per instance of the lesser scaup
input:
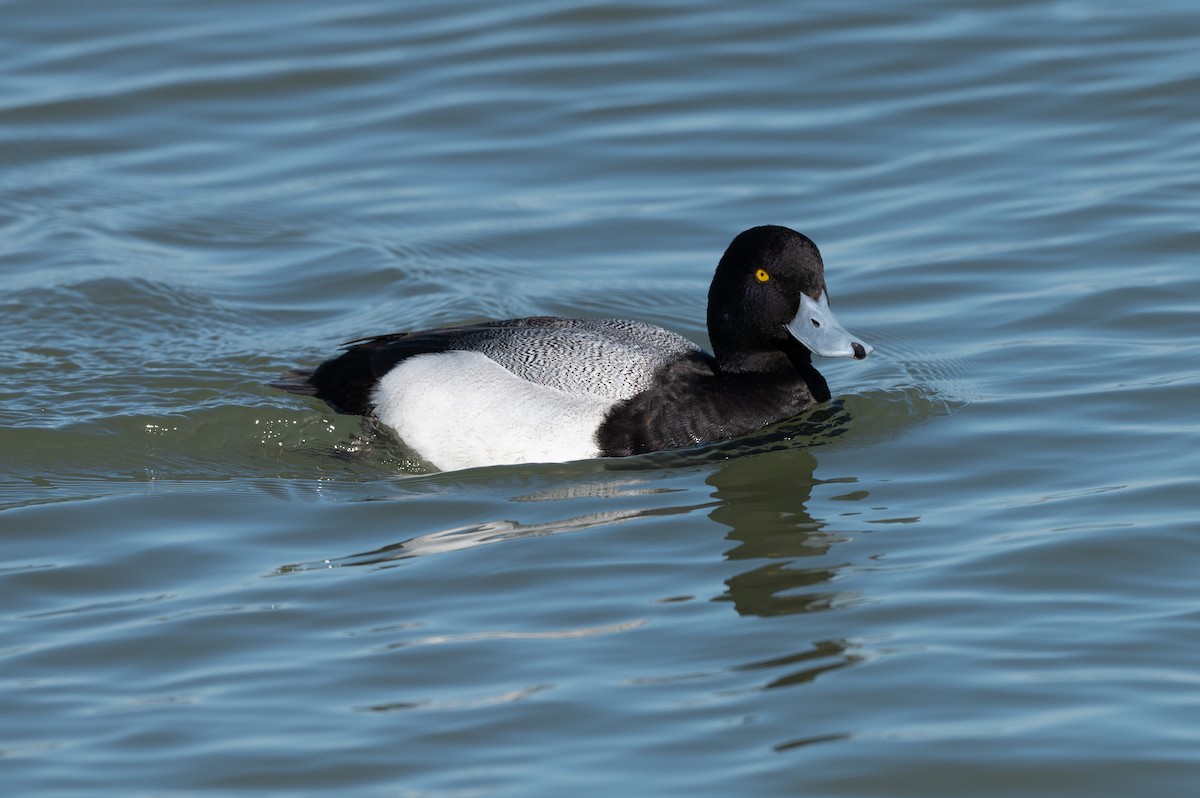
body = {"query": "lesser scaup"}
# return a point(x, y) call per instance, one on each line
point(545, 389)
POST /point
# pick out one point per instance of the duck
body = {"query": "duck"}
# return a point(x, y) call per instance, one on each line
point(552, 389)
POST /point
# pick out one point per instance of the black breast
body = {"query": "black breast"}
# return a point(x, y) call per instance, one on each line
point(691, 402)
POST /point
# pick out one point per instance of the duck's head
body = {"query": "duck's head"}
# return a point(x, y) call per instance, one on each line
point(768, 300)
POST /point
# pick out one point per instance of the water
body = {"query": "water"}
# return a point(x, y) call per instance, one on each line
point(972, 574)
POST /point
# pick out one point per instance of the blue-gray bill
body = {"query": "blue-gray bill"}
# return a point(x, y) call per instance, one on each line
point(816, 327)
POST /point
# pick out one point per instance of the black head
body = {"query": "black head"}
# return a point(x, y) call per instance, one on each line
point(768, 304)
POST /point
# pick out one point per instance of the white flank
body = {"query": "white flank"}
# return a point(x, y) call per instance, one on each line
point(462, 410)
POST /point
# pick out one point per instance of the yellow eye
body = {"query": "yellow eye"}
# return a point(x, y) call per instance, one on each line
point(762, 275)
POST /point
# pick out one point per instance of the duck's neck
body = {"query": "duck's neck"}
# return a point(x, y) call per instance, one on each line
point(767, 361)
point(791, 362)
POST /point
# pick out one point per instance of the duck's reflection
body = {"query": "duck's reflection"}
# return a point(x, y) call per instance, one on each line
point(484, 533)
point(763, 500)
point(760, 493)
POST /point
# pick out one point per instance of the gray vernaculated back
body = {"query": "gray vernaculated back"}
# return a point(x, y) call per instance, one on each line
point(613, 358)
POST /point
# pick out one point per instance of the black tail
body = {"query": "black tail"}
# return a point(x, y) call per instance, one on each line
point(299, 381)
point(345, 382)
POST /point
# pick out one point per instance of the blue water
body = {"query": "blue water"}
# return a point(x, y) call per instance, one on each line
point(972, 573)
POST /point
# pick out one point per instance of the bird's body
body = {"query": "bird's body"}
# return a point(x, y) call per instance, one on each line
point(544, 389)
